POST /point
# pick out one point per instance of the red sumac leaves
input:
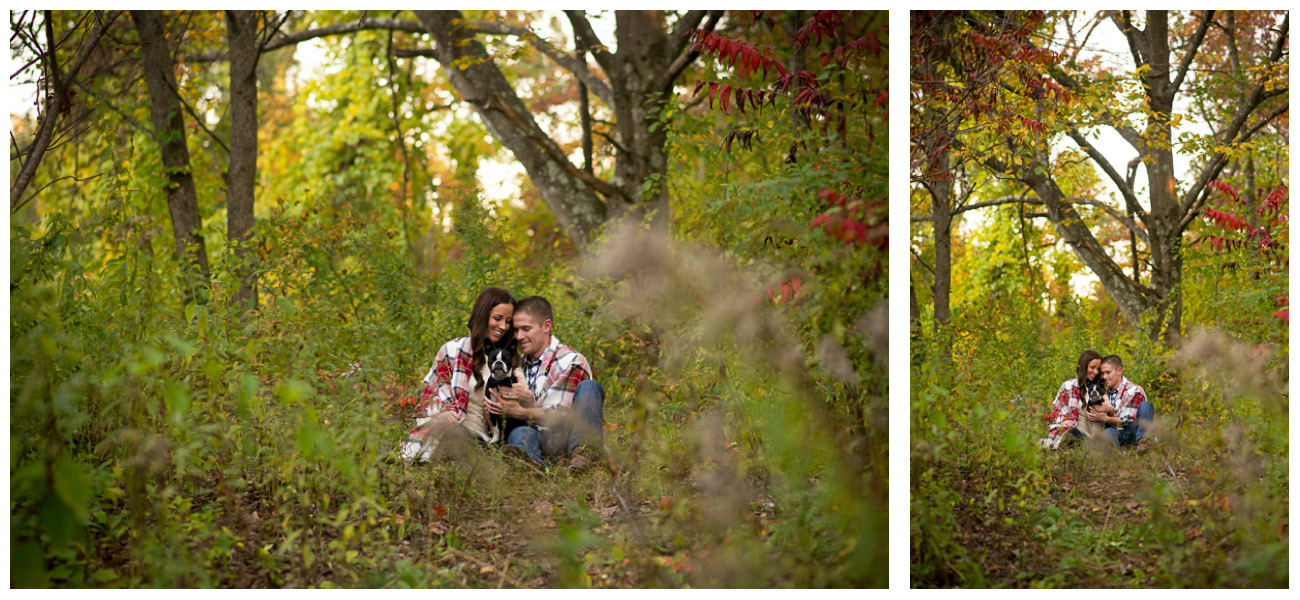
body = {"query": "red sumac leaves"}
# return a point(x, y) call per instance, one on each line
point(1225, 188)
point(747, 56)
point(846, 219)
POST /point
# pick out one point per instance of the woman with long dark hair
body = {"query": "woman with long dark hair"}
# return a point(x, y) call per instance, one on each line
point(1072, 398)
point(445, 403)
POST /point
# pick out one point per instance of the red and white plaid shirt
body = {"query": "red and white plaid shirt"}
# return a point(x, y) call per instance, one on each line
point(447, 385)
point(1126, 399)
point(555, 374)
point(1066, 407)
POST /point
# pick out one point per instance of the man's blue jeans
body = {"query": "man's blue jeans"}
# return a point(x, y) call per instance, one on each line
point(1146, 415)
point(584, 426)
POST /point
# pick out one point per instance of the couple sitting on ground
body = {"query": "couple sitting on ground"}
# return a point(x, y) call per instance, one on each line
point(551, 409)
point(1099, 401)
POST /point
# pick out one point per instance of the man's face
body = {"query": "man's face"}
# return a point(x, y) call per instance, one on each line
point(1112, 375)
point(533, 336)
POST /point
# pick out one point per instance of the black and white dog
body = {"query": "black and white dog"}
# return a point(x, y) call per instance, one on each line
point(503, 370)
point(1094, 394)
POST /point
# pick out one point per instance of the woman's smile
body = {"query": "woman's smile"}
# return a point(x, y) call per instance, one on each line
point(499, 321)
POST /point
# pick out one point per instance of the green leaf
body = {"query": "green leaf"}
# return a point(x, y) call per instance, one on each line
point(27, 566)
point(59, 522)
point(73, 486)
point(177, 399)
point(104, 576)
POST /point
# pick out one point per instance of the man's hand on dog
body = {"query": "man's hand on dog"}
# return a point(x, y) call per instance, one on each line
point(517, 393)
point(509, 401)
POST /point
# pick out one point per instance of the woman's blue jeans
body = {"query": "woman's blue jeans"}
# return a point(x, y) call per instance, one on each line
point(1146, 415)
point(584, 426)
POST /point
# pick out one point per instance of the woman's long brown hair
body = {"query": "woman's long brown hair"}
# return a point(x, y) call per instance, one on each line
point(1085, 358)
point(487, 300)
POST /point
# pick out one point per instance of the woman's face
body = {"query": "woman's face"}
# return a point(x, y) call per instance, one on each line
point(1094, 367)
point(501, 317)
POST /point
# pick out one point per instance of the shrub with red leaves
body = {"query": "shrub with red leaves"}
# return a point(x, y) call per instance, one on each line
point(846, 219)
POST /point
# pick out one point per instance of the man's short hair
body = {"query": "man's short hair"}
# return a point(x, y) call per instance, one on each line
point(538, 307)
point(1113, 360)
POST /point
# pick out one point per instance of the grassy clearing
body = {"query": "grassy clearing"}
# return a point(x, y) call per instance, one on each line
point(1205, 504)
point(155, 445)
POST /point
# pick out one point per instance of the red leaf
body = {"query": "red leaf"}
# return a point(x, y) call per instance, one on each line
point(1274, 201)
point(441, 511)
point(873, 43)
point(726, 97)
point(1225, 188)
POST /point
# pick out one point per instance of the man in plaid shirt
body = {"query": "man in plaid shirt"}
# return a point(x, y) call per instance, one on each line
point(562, 405)
point(1132, 407)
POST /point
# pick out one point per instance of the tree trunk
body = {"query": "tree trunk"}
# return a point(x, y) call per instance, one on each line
point(1166, 239)
point(641, 76)
point(941, 196)
point(169, 130)
point(479, 82)
point(918, 349)
point(241, 175)
point(643, 56)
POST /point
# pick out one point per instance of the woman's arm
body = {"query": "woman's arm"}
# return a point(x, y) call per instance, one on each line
point(447, 384)
point(1064, 413)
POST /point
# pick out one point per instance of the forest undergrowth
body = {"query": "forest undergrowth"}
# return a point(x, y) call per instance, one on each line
point(161, 444)
point(1203, 503)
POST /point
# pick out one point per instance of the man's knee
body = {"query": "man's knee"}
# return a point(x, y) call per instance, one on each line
point(522, 436)
point(1146, 411)
point(589, 391)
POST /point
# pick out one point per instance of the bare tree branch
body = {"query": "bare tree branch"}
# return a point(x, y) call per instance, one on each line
point(568, 63)
point(415, 53)
point(125, 117)
point(1191, 53)
point(1125, 189)
point(36, 193)
point(685, 55)
point(588, 40)
point(199, 121)
point(298, 37)
point(55, 105)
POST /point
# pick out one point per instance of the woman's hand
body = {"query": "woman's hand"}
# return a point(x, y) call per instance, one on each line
point(1069, 423)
